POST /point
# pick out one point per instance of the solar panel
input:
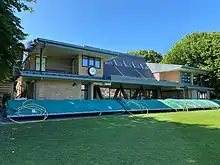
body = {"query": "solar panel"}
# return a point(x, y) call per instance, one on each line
point(146, 73)
point(110, 70)
point(128, 72)
point(127, 65)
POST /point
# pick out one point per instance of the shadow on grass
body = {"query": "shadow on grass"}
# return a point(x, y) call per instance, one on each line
point(111, 140)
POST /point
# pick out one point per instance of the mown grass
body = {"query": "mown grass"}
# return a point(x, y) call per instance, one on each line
point(180, 138)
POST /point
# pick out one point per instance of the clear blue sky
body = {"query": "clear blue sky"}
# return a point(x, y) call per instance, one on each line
point(121, 25)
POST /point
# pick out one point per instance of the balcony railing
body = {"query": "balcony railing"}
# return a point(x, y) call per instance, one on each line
point(59, 68)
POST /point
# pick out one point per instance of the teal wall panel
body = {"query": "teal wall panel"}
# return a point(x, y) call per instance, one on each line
point(19, 108)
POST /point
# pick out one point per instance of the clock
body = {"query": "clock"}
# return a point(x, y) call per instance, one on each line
point(92, 71)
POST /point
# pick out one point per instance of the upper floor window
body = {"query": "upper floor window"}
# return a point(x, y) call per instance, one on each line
point(85, 61)
point(97, 63)
point(185, 77)
point(38, 64)
point(91, 61)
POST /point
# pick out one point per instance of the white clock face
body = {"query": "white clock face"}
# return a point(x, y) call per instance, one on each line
point(92, 71)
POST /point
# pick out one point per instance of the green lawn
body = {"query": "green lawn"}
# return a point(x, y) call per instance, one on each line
point(180, 138)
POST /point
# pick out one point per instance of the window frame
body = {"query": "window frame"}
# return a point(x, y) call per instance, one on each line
point(37, 64)
point(93, 61)
point(99, 61)
point(85, 58)
point(89, 59)
point(185, 77)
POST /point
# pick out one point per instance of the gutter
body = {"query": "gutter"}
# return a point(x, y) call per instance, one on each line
point(85, 48)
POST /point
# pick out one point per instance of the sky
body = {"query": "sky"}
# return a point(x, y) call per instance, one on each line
point(121, 25)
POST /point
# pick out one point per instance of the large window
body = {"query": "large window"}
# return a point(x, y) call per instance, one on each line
point(38, 63)
point(91, 61)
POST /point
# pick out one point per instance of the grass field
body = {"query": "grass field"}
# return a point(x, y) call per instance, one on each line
point(180, 138)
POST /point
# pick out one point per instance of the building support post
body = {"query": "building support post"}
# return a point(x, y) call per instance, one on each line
point(99, 92)
point(41, 58)
point(184, 93)
point(191, 78)
point(208, 94)
point(91, 91)
point(159, 93)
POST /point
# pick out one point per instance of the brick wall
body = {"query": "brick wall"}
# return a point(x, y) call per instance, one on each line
point(57, 90)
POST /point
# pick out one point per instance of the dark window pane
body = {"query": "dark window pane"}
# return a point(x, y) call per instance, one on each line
point(97, 63)
point(85, 61)
point(185, 77)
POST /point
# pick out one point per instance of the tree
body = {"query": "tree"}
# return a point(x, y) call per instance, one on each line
point(199, 50)
point(11, 34)
point(149, 55)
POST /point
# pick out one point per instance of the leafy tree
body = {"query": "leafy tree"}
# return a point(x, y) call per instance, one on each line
point(149, 55)
point(201, 50)
point(11, 34)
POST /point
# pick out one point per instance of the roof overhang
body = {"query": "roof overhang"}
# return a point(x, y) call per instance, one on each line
point(160, 68)
point(111, 79)
point(185, 69)
point(144, 81)
point(193, 70)
point(35, 45)
point(199, 88)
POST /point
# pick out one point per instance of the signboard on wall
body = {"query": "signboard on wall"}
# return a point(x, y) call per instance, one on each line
point(102, 84)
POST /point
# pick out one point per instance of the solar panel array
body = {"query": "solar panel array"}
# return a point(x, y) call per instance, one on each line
point(127, 65)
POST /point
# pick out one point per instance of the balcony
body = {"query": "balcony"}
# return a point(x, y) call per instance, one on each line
point(60, 68)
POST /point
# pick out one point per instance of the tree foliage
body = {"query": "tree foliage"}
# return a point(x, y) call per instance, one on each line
point(149, 55)
point(11, 34)
point(199, 50)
